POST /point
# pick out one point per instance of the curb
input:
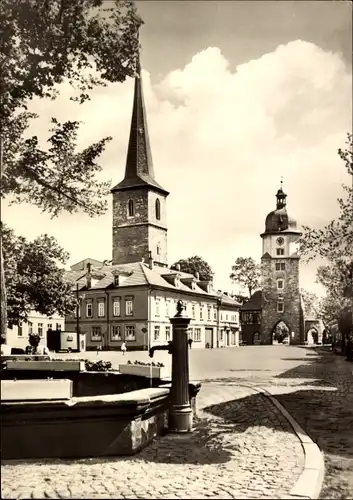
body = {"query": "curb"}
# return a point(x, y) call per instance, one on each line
point(310, 480)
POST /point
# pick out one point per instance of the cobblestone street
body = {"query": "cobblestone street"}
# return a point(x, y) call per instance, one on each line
point(248, 450)
point(242, 447)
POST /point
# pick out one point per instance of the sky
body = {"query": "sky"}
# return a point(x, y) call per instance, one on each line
point(238, 95)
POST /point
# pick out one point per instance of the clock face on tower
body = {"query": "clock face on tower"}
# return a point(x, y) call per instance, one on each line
point(280, 241)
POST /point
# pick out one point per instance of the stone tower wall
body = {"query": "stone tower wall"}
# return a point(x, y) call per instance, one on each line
point(134, 237)
point(292, 314)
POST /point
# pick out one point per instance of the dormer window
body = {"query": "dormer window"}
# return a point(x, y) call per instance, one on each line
point(158, 209)
point(130, 208)
point(116, 280)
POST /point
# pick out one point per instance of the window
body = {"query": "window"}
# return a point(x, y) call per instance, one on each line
point(209, 313)
point(89, 310)
point(201, 313)
point(167, 308)
point(157, 307)
point(128, 307)
point(280, 266)
point(116, 332)
point(130, 332)
point(226, 317)
point(40, 329)
point(158, 250)
point(58, 327)
point(280, 251)
point(50, 326)
point(167, 333)
point(193, 311)
point(100, 309)
point(214, 313)
point(130, 208)
point(116, 307)
point(221, 316)
point(156, 332)
point(197, 337)
point(221, 335)
point(116, 280)
point(19, 330)
point(280, 307)
point(190, 333)
point(96, 334)
point(30, 328)
point(158, 209)
point(280, 284)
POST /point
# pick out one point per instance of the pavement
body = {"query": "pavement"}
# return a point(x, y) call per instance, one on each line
point(243, 445)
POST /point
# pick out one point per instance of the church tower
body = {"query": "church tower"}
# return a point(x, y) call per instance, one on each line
point(281, 299)
point(139, 202)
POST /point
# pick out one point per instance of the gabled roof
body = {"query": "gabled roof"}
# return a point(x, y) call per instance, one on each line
point(254, 303)
point(139, 274)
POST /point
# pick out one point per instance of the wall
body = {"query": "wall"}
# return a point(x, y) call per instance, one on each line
point(133, 236)
point(21, 341)
point(292, 314)
point(137, 319)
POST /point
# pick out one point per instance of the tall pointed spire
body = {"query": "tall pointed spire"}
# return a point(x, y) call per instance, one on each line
point(139, 169)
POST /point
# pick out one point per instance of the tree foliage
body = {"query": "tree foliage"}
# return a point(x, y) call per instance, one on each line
point(43, 44)
point(335, 243)
point(34, 279)
point(311, 303)
point(246, 273)
point(195, 265)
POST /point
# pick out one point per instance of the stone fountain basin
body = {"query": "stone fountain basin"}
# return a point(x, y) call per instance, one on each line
point(81, 427)
point(96, 413)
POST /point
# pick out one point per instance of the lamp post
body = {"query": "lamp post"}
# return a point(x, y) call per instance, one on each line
point(78, 299)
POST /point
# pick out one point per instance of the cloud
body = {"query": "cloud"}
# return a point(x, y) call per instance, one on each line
point(221, 140)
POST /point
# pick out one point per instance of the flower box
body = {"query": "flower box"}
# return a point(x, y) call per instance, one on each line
point(145, 371)
point(68, 366)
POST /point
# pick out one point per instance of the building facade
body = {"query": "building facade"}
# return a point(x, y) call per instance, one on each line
point(18, 336)
point(133, 298)
point(134, 302)
point(279, 301)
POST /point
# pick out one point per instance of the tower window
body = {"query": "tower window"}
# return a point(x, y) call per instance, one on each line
point(280, 251)
point(280, 284)
point(131, 210)
point(280, 266)
point(158, 209)
point(280, 307)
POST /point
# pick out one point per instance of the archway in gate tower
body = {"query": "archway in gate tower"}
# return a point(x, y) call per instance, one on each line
point(312, 336)
point(280, 333)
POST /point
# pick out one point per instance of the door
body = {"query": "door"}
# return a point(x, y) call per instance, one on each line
point(209, 337)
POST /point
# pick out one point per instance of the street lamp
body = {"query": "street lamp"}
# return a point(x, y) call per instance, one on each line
point(78, 300)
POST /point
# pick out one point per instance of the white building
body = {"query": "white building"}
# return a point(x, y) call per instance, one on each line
point(17, 336)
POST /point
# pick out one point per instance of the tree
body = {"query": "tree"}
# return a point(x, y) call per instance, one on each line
point(195, 265)
point(311, 303)
point(242, 299)
point(335, 243)
point(44, 43)
point(35, 281)
point(246, 273)
point(281, 332)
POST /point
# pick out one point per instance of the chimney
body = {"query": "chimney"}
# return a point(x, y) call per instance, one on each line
point(197, 275)
point(177, 267)
point(89, 267)
point(150, 260)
